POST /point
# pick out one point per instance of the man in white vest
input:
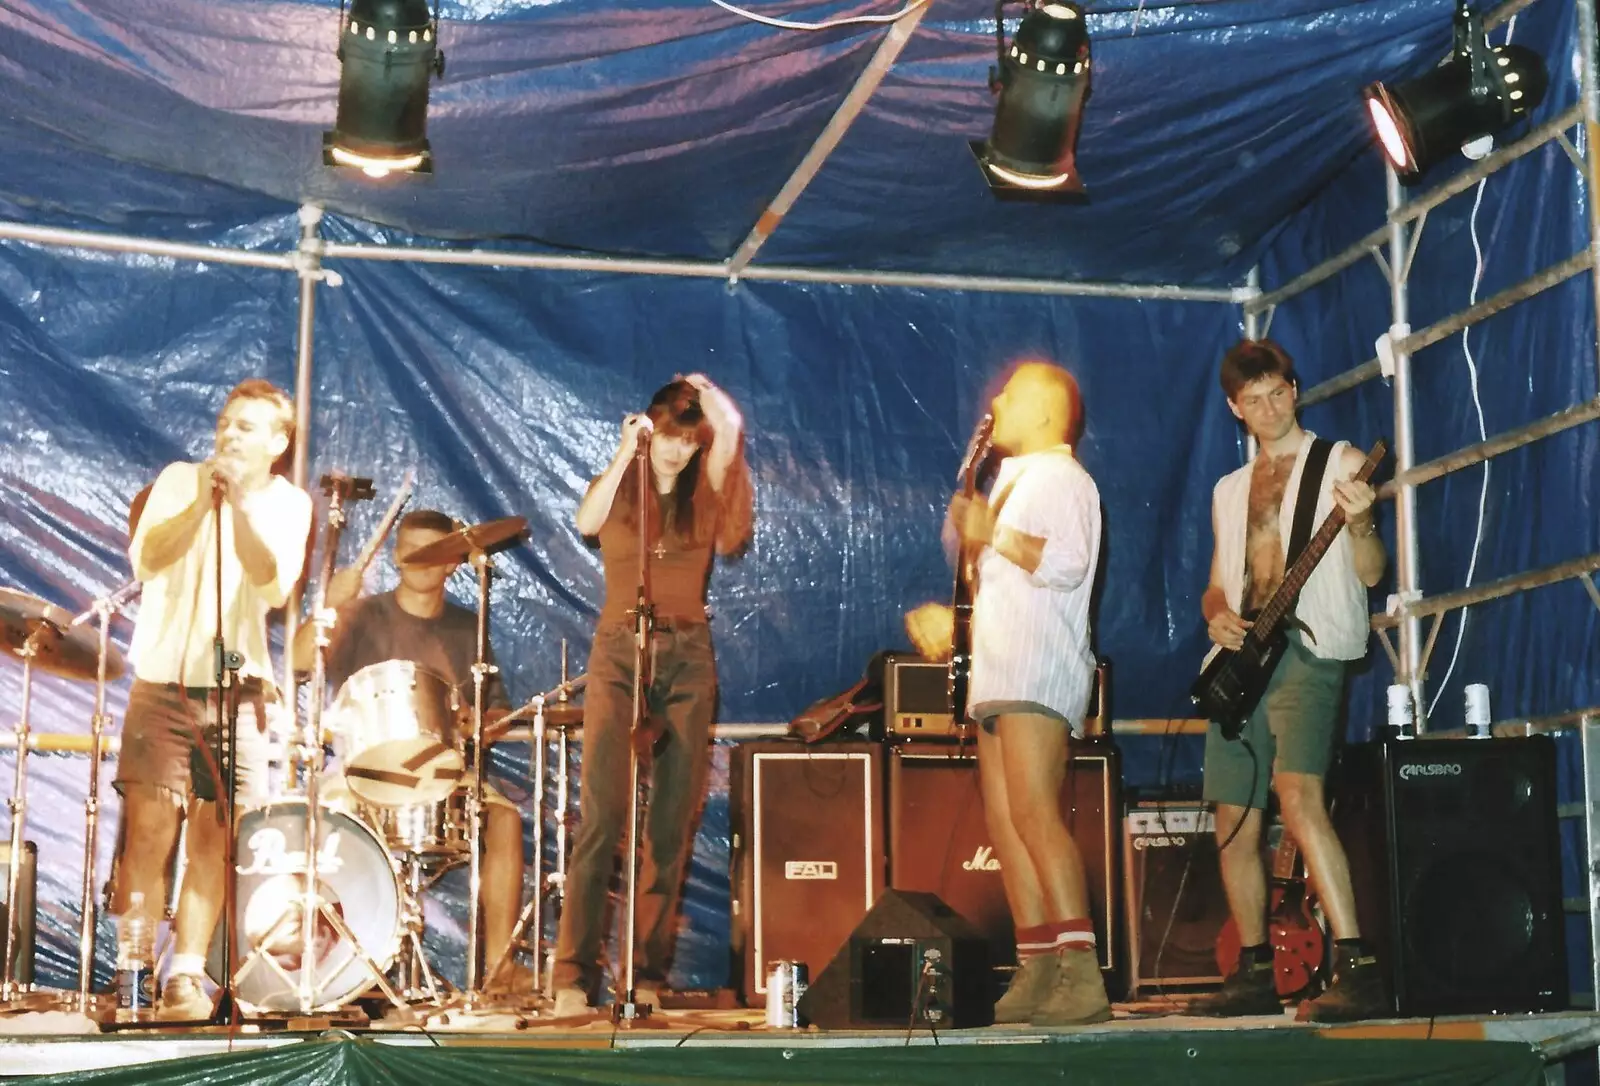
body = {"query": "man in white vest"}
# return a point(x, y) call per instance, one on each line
point(1288, 742)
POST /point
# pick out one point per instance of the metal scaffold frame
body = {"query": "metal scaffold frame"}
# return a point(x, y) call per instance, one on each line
point(1393, 247)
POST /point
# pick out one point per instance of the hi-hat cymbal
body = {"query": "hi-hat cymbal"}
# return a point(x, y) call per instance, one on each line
point(459, 545)
point(58, 647)
point(557, 714)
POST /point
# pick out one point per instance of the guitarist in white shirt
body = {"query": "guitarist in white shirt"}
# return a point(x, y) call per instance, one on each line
point(1038, 538)
point(1288, 742)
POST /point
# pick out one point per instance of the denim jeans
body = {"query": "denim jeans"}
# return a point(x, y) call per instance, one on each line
point(683, 697)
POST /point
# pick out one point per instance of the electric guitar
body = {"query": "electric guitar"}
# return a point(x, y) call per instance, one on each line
point(960, 668)
point(1299, 944)
point(1233, 681)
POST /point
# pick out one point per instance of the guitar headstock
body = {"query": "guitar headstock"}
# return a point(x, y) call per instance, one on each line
point(977, 449)
point(1380, 449)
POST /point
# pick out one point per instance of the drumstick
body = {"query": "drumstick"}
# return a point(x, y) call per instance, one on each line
point(370, 550)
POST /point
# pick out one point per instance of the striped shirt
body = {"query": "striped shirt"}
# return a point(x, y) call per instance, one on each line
point(1030, 631)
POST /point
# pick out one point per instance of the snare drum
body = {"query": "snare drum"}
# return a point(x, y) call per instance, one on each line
point(357, 880)
point(393, 730)
point(433, 832)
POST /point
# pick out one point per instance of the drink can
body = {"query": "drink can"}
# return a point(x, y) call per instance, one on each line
point(786, 983)
point(1402, 712)
point(1478, 724)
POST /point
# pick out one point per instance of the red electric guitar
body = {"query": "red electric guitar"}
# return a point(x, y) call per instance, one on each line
point(1298, 942)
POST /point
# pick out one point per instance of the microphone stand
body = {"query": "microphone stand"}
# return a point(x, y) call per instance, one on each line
point(339, 488)
point(226, 675)
point(624, 1009)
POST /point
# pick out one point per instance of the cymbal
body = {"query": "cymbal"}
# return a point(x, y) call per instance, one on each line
point(59, 648)
point(458, 546)
point(557, 714)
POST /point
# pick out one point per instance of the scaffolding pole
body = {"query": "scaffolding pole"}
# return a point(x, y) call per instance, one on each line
point(1469, 597)
point(1548, 426)
point(843, 117)
point(1408, 583)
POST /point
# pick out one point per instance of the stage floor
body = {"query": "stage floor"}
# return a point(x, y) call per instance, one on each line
point(57, 1043)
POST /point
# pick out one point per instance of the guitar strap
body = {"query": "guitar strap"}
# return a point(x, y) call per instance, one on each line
point(1305, 502)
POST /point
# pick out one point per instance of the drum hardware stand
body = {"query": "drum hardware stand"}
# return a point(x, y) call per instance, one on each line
point(413, 969)
point(481, 670)
point(340, 489)
point(101, 611)
point(625, 1009)
point(532, 915)
point(13, 994)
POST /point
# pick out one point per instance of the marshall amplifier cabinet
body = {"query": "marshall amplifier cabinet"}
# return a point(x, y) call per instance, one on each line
point(1172, 890)
point(807, 844)
point(938, 841)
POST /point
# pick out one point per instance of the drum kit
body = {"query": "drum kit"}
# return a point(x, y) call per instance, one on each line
point(404, 822)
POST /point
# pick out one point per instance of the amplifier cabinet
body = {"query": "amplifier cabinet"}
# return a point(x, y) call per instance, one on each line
point(939, 841)
point(807, 837)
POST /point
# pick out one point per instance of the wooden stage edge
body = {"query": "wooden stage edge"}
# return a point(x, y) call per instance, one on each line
point(53, 1043)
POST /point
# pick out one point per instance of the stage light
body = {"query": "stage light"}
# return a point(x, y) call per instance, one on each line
point(1042, 81)
point(388, 52)
point(1477, 92)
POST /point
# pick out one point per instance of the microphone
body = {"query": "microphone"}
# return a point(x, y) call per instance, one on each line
point(646, 429)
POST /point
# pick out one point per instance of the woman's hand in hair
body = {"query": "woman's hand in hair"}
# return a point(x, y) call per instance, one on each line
point(720, 410)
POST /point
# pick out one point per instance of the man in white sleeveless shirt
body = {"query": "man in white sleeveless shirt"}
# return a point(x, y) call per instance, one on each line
point(1032, 669)
point(169, 763)
point(1288, 742)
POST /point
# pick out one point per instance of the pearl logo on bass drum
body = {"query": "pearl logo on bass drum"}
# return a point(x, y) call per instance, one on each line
point(811, 870)
point(1430, 769)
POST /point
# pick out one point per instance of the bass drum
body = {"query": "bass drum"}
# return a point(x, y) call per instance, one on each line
point(359, 884)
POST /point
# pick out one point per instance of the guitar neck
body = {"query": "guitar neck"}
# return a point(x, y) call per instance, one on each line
point(1285, 856)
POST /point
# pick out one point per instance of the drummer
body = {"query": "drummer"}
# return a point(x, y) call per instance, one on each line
point(415, 622)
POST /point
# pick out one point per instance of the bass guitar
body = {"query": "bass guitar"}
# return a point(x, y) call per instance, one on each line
point(960, 668)
point(1233, 680)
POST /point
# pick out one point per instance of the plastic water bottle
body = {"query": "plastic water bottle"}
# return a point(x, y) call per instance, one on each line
point(136, 947)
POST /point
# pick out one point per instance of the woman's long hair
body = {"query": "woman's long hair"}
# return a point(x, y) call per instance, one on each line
point(675, 411)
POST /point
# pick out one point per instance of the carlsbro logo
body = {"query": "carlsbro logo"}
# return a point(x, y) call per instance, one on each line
point(1430, 769)
point(810, 869)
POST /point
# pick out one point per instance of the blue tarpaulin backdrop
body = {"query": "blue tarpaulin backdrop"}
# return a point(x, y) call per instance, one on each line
point(1218, 136)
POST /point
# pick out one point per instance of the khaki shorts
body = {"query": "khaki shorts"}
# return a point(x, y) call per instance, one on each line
point(169, 739)
point(1291, 731)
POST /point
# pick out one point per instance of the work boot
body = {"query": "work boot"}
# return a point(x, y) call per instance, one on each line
point(1250, 989)
point(1357, 993)
point(1078, 995)
point(184, 999)
point(1029, 986)
point(570, 1003)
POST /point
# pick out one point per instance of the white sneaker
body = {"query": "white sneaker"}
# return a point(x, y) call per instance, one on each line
point(570, 1003)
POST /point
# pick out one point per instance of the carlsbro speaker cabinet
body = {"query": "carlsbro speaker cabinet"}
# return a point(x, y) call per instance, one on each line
point(807, 852)
point(1455, 860)
point(938, 841)
point(1172, 890)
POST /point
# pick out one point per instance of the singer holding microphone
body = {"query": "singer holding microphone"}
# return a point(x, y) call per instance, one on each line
point(700, 502)
point(171, 765)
